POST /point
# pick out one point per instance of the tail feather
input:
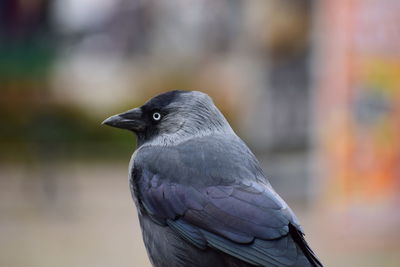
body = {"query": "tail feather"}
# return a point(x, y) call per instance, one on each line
point(298, 238)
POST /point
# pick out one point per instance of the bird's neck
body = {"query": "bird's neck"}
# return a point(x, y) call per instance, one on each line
point(182, 136)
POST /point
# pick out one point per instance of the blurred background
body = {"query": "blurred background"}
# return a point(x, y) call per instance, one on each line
point(313, 87)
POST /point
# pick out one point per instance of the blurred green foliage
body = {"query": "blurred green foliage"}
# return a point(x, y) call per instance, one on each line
point(36, 128)
point(25, 59)
point(55, 131)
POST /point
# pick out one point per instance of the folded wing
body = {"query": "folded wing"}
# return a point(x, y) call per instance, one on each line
point(217, 204)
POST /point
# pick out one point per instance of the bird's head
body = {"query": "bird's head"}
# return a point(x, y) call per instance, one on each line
point(172, 117)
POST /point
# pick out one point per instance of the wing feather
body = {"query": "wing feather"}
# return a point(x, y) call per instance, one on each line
point(227, 207)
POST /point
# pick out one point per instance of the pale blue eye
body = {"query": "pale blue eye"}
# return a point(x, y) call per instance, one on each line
point(156, 116)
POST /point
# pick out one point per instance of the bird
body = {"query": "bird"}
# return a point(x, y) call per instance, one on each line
point(201, 195)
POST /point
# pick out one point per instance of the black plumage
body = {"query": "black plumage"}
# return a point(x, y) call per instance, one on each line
point(202, 197)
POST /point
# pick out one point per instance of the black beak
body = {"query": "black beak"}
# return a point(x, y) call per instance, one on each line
point(130, 120)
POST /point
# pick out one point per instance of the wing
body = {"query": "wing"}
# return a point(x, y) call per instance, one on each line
point(213, 193)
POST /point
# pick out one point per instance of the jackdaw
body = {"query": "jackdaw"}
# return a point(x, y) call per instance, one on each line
point(201, 196)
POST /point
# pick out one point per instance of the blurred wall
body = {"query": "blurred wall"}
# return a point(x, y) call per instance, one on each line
point(357, 102)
